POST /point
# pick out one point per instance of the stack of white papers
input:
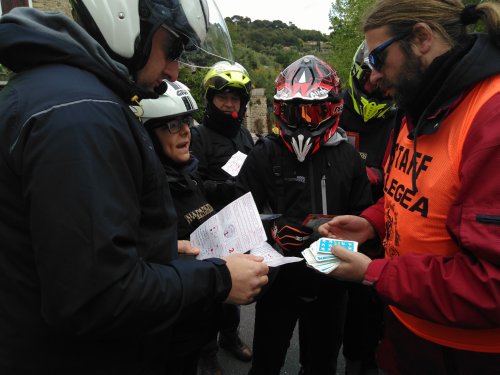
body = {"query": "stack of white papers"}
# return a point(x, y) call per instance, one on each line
point(237, 228)
point(320, 257)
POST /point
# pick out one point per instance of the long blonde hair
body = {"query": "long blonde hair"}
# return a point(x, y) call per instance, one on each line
point(449, 18)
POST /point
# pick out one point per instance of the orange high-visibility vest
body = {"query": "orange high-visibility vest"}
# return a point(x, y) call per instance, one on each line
point(415, 223)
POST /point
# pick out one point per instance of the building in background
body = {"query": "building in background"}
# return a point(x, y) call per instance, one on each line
point(256, 116)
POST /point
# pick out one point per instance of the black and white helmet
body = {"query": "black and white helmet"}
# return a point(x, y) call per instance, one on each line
point(125, 28)
point(177, 101)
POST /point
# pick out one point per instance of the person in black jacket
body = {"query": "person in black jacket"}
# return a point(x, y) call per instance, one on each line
point(89, 275)
point(168, 120)
point(368, 118)
point(226, 89)
point(310, 168)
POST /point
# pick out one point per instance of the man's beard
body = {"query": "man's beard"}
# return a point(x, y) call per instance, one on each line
point(408, 82)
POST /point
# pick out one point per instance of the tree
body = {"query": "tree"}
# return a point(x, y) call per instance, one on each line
point(193, 79)
point(346, 35)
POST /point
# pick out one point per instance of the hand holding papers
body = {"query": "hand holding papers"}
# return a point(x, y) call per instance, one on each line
point(319, 256)
point(237, 228)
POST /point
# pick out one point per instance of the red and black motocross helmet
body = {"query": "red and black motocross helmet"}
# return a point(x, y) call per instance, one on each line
point(307, 105)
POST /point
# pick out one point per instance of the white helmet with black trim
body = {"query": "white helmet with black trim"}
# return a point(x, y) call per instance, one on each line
point(125, 28)
point(177, 101)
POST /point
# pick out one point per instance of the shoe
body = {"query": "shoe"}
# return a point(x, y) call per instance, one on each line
point(209, 365)
point(237, 348)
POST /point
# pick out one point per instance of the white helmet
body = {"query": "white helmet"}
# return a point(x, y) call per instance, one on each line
point(125, 28)
point(176, 101)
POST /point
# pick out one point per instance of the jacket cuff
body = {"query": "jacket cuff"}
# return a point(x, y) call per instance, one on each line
point(374, 271)
point(225, 276)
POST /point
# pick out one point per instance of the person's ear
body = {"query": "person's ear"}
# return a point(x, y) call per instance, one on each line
point(423, 38)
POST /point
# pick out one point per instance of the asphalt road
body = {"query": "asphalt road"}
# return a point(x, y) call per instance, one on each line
point(232, 366)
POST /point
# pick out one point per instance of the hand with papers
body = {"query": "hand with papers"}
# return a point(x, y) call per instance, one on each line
point(248, 276)
point(237, 228)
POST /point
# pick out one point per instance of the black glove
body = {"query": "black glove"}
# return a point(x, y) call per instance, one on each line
point(291, 235)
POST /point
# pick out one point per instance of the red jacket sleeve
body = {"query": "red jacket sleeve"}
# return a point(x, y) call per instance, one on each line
point(375, 215)
point(462, 290)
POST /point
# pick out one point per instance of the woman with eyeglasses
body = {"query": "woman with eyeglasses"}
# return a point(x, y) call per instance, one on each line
point(168, 121)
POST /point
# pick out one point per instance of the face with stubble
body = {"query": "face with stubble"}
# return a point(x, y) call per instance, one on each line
point(402, 72)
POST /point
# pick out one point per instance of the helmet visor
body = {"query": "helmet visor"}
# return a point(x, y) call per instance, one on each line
point(308, 115)
point(216, 46)
point(362, 74)
point(220, 84)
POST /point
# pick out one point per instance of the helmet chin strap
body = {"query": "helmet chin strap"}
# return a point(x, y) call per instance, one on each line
point(301, 146)
point(161, 88)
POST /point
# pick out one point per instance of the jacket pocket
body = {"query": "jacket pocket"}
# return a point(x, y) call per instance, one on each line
point(488, 219)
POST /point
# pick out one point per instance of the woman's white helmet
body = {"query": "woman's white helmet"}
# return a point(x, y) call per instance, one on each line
point(125, 28)
point(175, 102)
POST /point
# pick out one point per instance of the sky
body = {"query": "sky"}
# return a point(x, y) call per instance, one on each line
point(305, 14)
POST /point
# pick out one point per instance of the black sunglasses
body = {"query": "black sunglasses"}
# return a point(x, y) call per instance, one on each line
point(375, 59)
point(176, 46)
point(174, 126)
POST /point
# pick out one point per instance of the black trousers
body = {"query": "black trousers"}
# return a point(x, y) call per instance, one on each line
point(363, 326)
point(317, 303)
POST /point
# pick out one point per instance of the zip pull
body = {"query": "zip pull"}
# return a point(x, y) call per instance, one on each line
point(323, 194)
point(137, 107)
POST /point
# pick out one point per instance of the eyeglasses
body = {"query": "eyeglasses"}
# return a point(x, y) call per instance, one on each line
point(309, 115)
point(176, 46)
point(375, 59)
point(174, 126)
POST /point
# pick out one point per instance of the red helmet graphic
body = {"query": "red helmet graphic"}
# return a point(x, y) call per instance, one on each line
point(307, 105)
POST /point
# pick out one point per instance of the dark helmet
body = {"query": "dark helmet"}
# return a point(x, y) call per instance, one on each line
point(226, 76)
point(307, 105)
point(367, 100)
point(125, 28)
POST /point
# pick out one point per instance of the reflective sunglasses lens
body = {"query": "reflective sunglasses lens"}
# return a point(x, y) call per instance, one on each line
point(374, 61)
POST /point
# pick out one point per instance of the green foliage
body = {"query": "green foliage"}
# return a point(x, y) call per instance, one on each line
point(265, 48)
point(346, 16)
